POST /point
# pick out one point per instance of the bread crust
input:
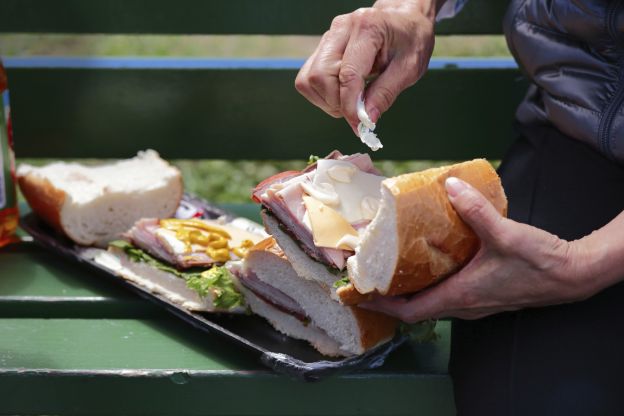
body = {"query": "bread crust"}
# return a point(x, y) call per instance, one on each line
point(374, 328)
point(433, 240)
point(349, 295)
point(44, 199)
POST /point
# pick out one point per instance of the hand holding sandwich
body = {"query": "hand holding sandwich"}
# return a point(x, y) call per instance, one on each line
point(517, 266)
point(393, 39)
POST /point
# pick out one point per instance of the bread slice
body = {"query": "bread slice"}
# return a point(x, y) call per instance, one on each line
point(310, 269)
point(417, 238)
point(154, 280)
point(353, 329)
point(93, 205)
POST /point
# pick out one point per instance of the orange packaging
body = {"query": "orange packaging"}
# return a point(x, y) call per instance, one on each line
point(8, 197)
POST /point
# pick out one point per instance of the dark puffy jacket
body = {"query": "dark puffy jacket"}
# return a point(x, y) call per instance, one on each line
point(573, 53)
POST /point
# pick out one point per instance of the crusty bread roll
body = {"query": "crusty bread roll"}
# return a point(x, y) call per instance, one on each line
point(333, 329)
point(417, 238)
point(93, 205)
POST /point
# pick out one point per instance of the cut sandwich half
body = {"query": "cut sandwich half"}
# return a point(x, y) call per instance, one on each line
point(93, 205)
point(183, 260)
point(373, 235)
point(302, 309)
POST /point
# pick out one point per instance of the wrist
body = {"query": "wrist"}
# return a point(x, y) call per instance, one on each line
point(427, 8)
point(587, 267)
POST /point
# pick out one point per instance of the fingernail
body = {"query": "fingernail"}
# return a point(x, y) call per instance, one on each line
point(374, 114)
point(455, 186)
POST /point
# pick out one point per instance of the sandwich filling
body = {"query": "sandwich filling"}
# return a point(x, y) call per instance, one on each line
point(270, 294)
point(191, 242)
point(185, 258)
point(326, 207)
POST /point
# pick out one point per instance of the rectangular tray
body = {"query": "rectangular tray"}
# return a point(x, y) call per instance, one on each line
point(281, 353)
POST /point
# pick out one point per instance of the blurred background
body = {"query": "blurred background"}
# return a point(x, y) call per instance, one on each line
point(217, 180)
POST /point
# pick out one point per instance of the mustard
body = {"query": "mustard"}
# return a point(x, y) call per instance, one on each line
point(214, 239)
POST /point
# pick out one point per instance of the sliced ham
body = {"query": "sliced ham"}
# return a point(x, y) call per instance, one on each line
point(143, 236)
point(270, 294)
point(282, 196)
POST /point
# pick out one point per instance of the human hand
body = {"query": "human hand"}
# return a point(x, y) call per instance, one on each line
point(394, 39)
point(517, 266)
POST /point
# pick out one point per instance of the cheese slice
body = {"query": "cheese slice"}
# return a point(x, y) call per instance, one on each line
point(352, 188)
point(328, 226)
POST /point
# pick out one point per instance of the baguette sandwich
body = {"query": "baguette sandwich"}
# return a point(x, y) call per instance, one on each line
point(303, 309)
point(93, 205)
point(358, 233)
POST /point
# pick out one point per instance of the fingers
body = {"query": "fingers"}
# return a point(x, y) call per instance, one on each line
point(476, 210)
point(318, 78)
point(367, 38)
point(432, 303)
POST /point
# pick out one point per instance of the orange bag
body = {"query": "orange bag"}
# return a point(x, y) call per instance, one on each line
point(8, 197)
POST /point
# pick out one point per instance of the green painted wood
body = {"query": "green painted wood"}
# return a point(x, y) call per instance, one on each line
point(176, 394)
point(275, 17)
point(451, 114)
point(110, 366)
point(37, 283)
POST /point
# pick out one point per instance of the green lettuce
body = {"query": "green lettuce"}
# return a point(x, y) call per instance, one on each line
point(220, 282)
point(342, 282)
point(313, 159)
point(217, 280)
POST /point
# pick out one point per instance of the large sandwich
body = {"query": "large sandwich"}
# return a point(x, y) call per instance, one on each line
point(303, 309)
point(358, 233)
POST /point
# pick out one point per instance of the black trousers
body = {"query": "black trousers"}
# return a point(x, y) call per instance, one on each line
point(559, 360)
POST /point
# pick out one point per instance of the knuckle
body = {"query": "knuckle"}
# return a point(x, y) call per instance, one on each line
point(385, 96)
point(301, 84)
point(465, 298)
point(316, 79)
point(339, 21)
point(335, 113)
point(348, 75)
point(364, 16)
point(475, 206)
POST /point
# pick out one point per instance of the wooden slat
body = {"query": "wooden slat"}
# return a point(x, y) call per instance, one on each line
point(247, 110)
point(111, 366)
point(36, 283)
point(275, 17)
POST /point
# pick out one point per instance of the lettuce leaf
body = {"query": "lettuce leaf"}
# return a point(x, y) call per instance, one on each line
point(216, 281)
point(342, 282)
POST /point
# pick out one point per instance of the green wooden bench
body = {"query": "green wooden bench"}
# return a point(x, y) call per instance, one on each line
point(71, 343)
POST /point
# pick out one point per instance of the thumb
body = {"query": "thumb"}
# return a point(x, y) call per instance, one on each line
point(474, 209)
point(384, 90)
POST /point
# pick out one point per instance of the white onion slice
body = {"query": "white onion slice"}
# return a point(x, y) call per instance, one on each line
point(366, 126)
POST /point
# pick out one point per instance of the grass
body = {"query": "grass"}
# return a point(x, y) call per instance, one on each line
point(212, 45)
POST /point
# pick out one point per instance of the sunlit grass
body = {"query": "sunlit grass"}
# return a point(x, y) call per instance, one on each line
point(212, 45)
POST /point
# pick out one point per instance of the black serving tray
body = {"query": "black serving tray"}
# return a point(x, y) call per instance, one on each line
point(283, 354)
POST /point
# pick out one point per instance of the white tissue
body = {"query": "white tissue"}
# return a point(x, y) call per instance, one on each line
point(366, 127)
